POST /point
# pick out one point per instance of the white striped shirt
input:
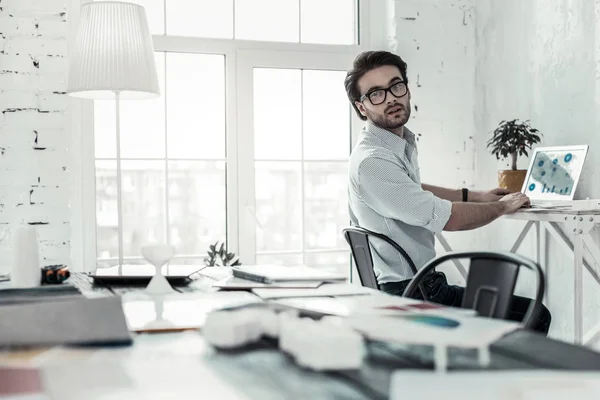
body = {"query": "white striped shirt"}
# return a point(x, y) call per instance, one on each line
point(385, 196)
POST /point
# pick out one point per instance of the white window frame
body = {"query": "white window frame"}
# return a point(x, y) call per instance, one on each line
point(247, 61)
point(240, 57)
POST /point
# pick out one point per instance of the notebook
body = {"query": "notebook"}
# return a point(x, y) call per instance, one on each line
point(280, 273)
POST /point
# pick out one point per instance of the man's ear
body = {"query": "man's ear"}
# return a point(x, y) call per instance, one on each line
point(361, 108)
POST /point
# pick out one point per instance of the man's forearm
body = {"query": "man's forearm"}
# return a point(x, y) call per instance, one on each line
point(443, 193)
point(473, 215)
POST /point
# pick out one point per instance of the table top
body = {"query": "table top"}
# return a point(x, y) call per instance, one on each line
point(183, 364)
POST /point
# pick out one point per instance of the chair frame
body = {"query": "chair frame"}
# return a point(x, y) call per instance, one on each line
point(500, 256)
point(359, 230)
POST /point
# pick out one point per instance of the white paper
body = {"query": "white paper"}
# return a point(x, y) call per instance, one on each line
point(239, 283)
point(329, 289)
point(495, 385)
point(178, 311)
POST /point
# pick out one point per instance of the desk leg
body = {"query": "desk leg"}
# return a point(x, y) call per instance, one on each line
point(541, 256)
point(578, 289)
point(519, 240)
point(446, 246)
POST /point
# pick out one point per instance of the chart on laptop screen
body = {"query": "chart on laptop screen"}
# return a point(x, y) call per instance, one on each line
point(554, 173)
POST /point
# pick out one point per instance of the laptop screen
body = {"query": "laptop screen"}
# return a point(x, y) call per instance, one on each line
point(554, 172)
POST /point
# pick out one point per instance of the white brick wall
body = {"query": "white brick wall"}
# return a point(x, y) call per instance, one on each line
point(437, 40)
point(34, 170)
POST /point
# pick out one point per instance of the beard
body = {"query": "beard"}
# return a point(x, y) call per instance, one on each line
point(388, 121)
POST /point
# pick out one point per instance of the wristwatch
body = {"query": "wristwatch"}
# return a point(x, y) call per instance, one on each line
point(465, 194)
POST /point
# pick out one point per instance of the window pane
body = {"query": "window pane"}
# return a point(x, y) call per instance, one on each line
point(332, 261)
point(201, 18)
point(328, 22)
point(269, 20)
point(326, 119)
point(155, 12)
point(143, 122)
point(143, 198)
point(279, 259)
point(197, 205)
point(278, 206)
point(196, 105)
point(107, 223)
point(325, 204)
point(277, 114)
point(105, 133)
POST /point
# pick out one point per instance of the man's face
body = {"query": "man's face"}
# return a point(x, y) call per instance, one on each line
point(387, 109)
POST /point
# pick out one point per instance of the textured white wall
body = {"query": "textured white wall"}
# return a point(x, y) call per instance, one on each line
point(539, 60)
point(474, 63)
point(437, 40)
point(33, 138)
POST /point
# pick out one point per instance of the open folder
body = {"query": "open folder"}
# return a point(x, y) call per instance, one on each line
point(80, 321)
point(280, 273)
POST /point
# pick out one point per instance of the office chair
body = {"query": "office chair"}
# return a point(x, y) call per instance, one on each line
point(358, 239)
point(490, 283)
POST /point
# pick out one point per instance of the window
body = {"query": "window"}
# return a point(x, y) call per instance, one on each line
point(306, 21)
point(248, 142)
point(301, 146)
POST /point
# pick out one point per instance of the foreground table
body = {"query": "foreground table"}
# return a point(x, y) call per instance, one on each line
point(183, 365)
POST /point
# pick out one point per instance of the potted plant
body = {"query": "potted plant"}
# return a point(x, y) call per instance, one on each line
point(512, 139)
point(219, 256)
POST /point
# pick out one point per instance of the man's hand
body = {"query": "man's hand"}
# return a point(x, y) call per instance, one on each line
point(492, 195)
point(514, 202)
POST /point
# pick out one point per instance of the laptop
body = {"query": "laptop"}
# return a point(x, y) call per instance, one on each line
point(553, 176)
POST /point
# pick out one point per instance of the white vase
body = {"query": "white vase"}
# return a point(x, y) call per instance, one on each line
point(158, 255)
point(26, 271)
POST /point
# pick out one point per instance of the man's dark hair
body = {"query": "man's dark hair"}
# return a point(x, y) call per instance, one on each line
point(364, 63)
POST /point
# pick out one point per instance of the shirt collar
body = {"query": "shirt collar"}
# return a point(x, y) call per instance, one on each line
point(399, 144)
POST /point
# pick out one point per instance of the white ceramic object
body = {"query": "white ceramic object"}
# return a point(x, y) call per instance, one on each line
point(25, 272)
point(231, 329)
point(322, 346)
point(158, 255)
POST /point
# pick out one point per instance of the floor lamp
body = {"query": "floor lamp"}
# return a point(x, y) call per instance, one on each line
point(113, 58)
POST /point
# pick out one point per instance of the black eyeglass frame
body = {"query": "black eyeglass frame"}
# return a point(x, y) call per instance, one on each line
point(385, 92)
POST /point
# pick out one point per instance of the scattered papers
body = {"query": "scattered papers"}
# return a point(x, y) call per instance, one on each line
point(495, 385)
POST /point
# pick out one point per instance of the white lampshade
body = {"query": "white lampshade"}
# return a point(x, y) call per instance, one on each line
point(113, 52)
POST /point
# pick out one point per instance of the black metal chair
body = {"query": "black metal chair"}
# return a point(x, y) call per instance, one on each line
point(490, 283)
point(358, 239)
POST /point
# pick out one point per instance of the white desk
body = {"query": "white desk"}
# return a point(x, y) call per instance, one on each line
point(580, 224)
point(182, 365)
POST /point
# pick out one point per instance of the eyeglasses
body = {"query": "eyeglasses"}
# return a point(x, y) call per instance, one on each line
point(378, 96)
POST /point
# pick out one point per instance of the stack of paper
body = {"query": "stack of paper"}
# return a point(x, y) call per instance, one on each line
point(280, 273)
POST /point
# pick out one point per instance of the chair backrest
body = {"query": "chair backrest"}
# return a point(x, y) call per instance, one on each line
point(490, 283)
point(358, 239)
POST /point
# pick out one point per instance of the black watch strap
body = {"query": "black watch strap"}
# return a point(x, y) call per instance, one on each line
point(465, 194)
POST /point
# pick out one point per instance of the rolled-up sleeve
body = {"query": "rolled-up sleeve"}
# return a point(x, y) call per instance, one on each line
point(385, 187)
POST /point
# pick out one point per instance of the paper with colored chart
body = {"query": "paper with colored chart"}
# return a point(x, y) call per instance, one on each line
point(446, 329)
